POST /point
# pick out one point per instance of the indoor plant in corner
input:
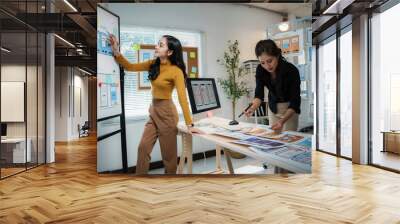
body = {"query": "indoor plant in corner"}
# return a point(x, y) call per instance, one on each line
point(234, 87)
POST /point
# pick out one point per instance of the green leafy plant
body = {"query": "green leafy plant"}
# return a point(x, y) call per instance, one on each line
point(234, 87)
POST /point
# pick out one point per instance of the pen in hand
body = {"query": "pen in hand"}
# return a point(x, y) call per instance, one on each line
point(245, 110)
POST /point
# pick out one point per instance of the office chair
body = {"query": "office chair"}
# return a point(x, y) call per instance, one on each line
point(84, 130)
point(261, 112)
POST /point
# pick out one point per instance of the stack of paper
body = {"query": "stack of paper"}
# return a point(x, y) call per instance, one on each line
point(231, 134)
point(260, 143)
point(299, 152)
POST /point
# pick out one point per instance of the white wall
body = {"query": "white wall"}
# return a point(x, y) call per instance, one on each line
point(80, 84)
point(68, 81)
point(61, 103)
point(218, 23)
point(17, 73)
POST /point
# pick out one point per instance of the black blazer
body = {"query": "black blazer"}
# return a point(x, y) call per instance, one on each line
point(285, 88)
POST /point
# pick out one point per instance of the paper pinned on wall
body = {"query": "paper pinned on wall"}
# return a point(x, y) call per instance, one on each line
point(185, 60)
point(104, 95)
point(192, 75)
point(194, 69)
point(114, 97)
point(192, 54)
point(301, 60)
point(285, 44)
point(278, 43)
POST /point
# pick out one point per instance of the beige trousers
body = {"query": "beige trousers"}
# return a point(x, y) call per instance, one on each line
point(291, 124)
point(162, 125)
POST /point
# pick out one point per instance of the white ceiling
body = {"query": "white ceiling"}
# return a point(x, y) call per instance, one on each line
point(297, 9)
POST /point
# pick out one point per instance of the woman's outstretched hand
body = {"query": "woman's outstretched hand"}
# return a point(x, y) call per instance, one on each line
point(193, 130)
point(114, 45)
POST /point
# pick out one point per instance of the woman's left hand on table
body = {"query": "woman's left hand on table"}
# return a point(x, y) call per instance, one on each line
point(193, 130)
point(277, 127)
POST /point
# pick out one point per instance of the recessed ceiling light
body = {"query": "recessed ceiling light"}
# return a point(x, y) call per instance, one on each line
point(70, 5)
point(64, 40)
point(86, 72)
point(5, 50)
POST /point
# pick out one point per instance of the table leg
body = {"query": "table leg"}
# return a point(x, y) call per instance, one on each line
point(228, 161)
point(189, 153)
point(186, 154)
point(218, 157)
point(183, 154)
point(384, 142)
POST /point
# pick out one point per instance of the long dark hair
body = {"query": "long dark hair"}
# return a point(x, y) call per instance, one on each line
point(269, 47)
point(176, 58)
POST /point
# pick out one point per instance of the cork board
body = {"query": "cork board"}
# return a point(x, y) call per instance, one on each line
point(288, 44)
point(190, 57)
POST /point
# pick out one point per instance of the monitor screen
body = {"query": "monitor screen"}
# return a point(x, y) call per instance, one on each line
point(3, 129)
point(203, 94)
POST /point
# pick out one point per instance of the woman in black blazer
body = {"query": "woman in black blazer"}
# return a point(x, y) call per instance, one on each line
point(282, 80)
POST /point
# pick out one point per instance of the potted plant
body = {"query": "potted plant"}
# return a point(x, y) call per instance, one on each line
point(234, 87)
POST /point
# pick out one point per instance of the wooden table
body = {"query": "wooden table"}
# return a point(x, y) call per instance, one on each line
point(13, 150)
point(225, 144)
point(391, 141)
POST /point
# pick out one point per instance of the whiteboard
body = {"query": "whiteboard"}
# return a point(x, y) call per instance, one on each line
point(108, 73)
point(109, 100)
point(12, 101)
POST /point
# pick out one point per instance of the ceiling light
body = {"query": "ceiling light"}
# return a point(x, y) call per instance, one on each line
point(70, 5)
point(65, 41)
point(283, 26)
point(5, 50)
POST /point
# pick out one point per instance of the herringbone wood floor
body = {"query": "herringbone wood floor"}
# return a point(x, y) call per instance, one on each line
point(70, 191)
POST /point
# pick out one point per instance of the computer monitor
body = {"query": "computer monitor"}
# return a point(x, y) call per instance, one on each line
point(3, 129)
point(203, 94)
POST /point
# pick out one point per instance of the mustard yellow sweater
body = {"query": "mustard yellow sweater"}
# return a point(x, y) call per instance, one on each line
point(170, 76)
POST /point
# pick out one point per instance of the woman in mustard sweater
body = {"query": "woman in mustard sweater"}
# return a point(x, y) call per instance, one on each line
point(165, 72)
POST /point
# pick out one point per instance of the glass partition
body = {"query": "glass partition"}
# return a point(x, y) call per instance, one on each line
point(327, 96)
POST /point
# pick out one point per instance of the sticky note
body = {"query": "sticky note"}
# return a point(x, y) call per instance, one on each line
point(136, 47)
point(194, 69)
point(192, 75)
point(192, 54)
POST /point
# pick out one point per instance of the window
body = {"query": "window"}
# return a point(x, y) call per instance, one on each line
point(131, 38)
point(346, 93)
point(327, 96)
point(385, 87)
